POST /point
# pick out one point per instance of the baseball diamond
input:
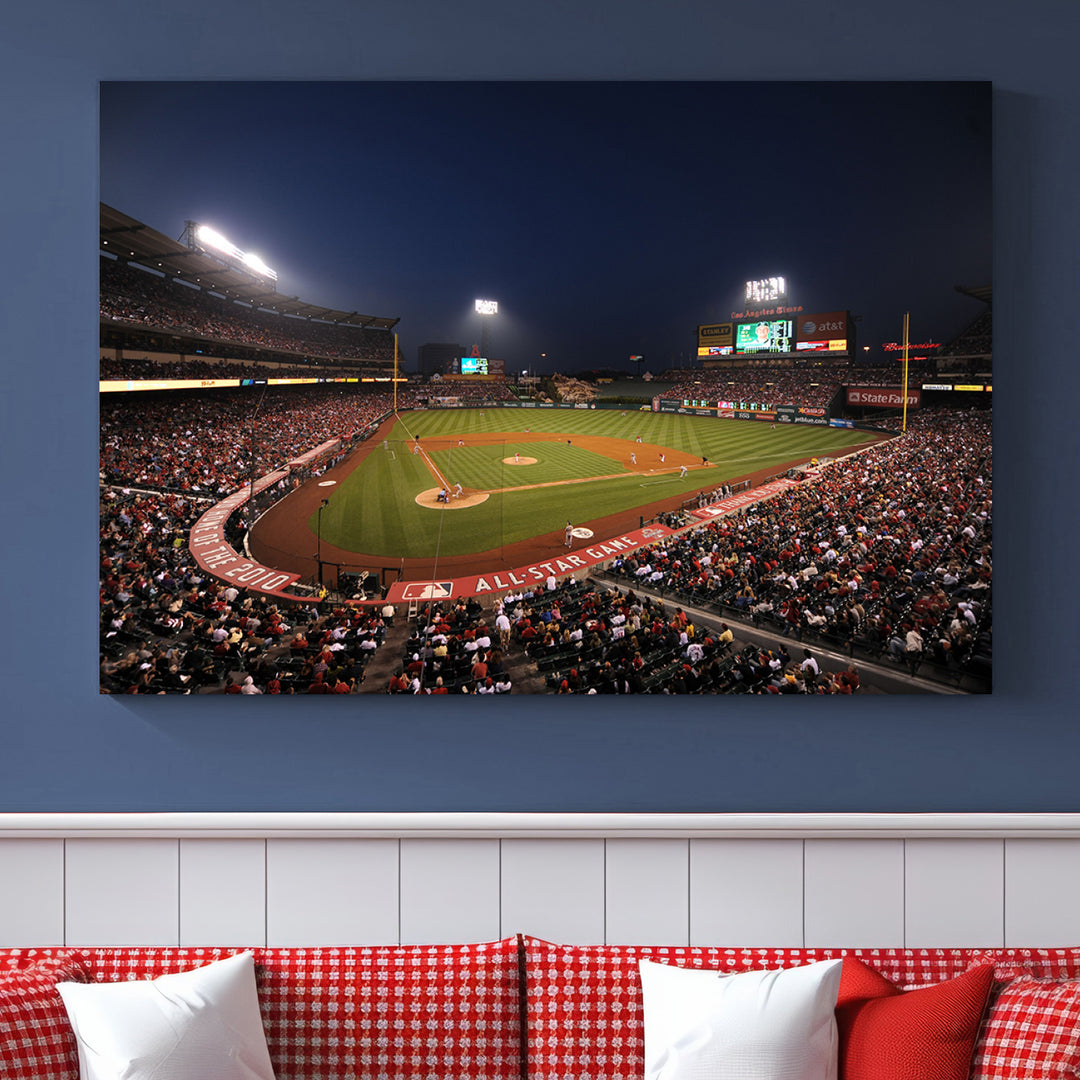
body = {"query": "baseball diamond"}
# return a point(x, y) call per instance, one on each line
point(385, 506)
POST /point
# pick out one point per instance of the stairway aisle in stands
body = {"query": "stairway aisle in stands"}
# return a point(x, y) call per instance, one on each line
point(387, 659)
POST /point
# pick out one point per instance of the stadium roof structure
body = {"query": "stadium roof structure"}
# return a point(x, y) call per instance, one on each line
point(985, 293)
point(132, 241)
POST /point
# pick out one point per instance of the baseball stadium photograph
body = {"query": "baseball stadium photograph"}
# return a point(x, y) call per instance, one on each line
point(591, 388)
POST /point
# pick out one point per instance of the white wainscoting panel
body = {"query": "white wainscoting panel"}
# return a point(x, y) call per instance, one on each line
point(122, 892)
point(554, 889)
point(731, 880)
point(449, 891)
point(954, 893)
point(854, 893)
point(223, 892)
point(746, 892)
point(32, 894)
point(1042, 892)
point(647, 886)
point(331, 892)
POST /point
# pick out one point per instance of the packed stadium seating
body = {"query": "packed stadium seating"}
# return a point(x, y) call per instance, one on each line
point(137, 297)
point(890, 551)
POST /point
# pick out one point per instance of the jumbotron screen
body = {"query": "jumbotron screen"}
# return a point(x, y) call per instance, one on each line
point(474, 365)
point(768, 335)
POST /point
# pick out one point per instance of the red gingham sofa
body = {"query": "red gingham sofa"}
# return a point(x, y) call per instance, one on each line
point(584, 1016)
point(516, 1009)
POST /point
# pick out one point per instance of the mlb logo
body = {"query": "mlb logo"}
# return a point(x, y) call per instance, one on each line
point(428, 590)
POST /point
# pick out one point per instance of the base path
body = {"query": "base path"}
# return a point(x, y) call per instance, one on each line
point(282, 537)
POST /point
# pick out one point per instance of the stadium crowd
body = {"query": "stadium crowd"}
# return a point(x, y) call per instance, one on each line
point(203, 443)
point(776, 385)
point(134, 296)
point(786, 383)
point(132, 367)
point(891, 549)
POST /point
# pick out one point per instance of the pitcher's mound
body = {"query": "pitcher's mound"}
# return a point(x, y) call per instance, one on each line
point(519, 461)
point(430, 499)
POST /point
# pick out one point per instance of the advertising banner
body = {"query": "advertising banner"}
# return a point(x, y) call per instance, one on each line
point(761, 414)
point(216, 556)
point(785, 410)
point(167, 384)
point(529, 576)
point(718, 334)
point(808, 411)
point(827, 327)
point(882, 397)
point(819, 420)
point(842, 423)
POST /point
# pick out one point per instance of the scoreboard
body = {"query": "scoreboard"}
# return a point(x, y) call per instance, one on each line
point(830, 332)
point(764, 336)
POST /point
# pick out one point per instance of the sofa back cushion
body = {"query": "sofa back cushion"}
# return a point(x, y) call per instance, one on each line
point(36, 1039)
point(402, 1012)
point(585, 1015)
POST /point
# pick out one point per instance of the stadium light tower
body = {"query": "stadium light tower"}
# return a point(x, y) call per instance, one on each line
point(208, 241)
point(485, 309)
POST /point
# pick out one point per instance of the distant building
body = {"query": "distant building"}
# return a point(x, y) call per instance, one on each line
point(438, 357)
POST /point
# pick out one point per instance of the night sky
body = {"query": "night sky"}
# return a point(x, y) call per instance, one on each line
point(607, 219)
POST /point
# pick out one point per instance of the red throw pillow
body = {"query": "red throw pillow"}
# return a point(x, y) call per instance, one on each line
point(926, 1034)
point(1033, 1031)
point(36, 1037)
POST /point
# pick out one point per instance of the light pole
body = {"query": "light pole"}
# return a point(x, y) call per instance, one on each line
point(485, 309)
point(318, 553)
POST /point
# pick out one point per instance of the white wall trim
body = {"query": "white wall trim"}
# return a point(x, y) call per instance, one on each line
point(230, 825)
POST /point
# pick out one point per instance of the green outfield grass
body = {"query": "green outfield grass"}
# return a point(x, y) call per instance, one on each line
point(483, 467)
point(374, 509)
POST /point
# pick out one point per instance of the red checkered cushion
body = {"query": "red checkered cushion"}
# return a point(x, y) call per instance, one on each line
point(1036, 963)
point(398, 1012)
point(36, 1037)
point(1031, 1033)
point(584, 1002)
point(408, 1012)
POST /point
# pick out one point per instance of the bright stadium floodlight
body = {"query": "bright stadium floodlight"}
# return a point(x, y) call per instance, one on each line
point(216, 240)
point(212, 238)
point(258, 265)
point(487, 307)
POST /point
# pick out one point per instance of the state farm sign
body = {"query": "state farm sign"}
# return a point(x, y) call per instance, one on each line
point(884, 397)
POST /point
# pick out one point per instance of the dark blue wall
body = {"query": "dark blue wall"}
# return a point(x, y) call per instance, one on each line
point(64, 748)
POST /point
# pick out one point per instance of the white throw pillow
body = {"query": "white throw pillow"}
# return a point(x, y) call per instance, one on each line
point(197, 1025)
point(756, 1025)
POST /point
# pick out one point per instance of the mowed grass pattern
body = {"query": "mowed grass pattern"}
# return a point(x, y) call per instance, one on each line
point(374, 510)
point(484, 467)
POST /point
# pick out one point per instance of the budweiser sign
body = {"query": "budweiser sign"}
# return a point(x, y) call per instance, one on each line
point(885, 397)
